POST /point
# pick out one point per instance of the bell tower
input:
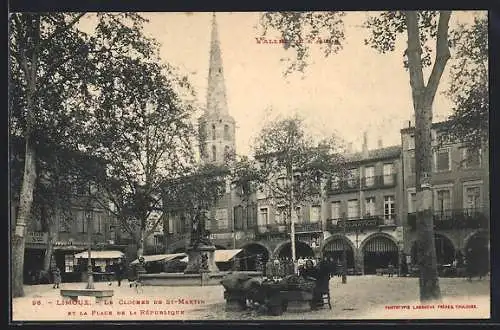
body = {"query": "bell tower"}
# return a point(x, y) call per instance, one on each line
point(216, 125)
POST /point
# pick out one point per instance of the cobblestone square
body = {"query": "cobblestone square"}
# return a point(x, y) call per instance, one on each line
point(362, 297)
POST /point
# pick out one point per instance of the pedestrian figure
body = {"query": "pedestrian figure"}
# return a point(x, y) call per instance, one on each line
point(109, 270)
point(119, 271)
point(301, 262)
point(56, 274)
point(391, 269)
point(340, 268)
point(404, 267)
point(269, 268)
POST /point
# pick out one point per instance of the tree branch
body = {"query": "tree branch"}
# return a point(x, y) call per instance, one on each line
point(414, 57)
point(442, 56)
point(57, 32)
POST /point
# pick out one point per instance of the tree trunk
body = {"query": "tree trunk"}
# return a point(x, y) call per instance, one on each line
point(165, 232)
point(23, 216)
point(429, 282)
point(30, 68)
point(52, 237)
point(140, 246)
point(423, 98)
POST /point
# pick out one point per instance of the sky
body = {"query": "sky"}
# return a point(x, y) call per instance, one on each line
point(354, 91)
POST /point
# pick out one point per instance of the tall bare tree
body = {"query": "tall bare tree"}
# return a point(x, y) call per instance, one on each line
point(421, 29)
point(52, 63)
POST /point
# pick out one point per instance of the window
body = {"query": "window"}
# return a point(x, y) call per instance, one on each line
point(158, 240)
point(281, 183)
point(298, 215)
point(69, 263)
point(442, 160)
point(353, 177)
point(335, 210)
point(65, 224)
point(353, 209)
point(411, 142)
point(412, 202)
point(411, 161)
point(37, 222)
point(472, 198)
point(370, 206)
point(208, 221)
point(171, 222)
point(214, 153)
point(81, 220)
point(227, 152)
point(226, 133)
point(471, 158)
point(315, 214)
point(335, 183)
point(389, 209)
point(280, 215)
point(238, 217)
point(98, 223)
point(443, 204)
point(388, 173)
point(214, 135)
point(263, 216)
point(369, 176)
point(251, 215)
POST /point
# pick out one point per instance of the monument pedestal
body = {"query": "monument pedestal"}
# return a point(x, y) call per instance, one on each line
point(195, 257)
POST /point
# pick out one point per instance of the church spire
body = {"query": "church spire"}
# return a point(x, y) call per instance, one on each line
point(216, 94)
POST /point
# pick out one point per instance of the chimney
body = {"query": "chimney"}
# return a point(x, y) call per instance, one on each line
point(379, 143)
point(365, 144)
point(349, 148)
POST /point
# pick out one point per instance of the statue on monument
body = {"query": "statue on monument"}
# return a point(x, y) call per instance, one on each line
point(199, 233)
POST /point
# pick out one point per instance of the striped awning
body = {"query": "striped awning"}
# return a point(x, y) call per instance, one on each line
point(337, 245)
point(381, 245)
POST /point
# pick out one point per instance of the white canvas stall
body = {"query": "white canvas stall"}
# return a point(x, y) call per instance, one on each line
point(160, 257)
point(225, 255)
point(100, 255)
point(220, 255)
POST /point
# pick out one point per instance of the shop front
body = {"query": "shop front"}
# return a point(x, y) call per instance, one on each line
point(34, 255)
point(101, 260)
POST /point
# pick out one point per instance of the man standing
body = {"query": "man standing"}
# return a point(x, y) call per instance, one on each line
point(119, 271)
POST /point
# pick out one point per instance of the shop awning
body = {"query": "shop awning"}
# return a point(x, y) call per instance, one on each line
point(226, 255)
point(160, 257)
point(100, 255)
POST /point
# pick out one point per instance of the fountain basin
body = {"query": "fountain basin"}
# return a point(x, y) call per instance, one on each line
point(182, 279)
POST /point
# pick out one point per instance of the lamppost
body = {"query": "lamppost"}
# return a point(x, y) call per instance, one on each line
point(344, 252)
point(90, 275)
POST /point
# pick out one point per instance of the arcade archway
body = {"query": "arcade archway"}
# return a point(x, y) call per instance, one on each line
point(251, 254)
point(335, 248)
point(477, 251)
point(301, 250)
point(445, 251)
point(379, 252)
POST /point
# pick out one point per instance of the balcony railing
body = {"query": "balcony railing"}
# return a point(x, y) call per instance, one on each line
point(379, 181)
point(272, 229)
point(455, 219)
point(308, 227)
point(360, 224)
point(344, 185)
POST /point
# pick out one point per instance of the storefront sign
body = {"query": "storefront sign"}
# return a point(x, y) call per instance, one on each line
point(36, 237)
point(368, 223)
